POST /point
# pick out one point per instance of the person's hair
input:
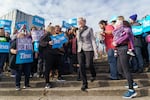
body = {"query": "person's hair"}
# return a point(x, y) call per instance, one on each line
point(33, 27)
point(126, 24)
point(83, 19)
point(49, 29)
point(103, 22)
point(68, 29)
point(75, 29)
point(57, 26)
point(15, 31)
point(20, 35)
point(120, 18)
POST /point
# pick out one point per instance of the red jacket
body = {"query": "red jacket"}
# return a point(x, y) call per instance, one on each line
point(108, 41)
point(109, 37)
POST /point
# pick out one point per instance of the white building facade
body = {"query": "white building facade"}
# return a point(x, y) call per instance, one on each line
point(17, 16)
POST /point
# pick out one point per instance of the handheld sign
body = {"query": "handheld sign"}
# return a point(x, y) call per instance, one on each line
point(24, 51)
point(19, 25)
point(38, 21)
point(7, 29)
point(4, 47)
point(5, 23)
point(137, 30)
point(36, 35)
point(73, 22)
point(66, 24)
point(146, 24)
point(62, 38)
point(58, 40)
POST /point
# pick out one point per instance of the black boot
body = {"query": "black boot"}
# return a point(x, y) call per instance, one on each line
point(84, 87)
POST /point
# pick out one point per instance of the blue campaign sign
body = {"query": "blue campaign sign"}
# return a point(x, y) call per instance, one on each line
point(24, 56)
point(146, 24)
point(66, 24)
point(5, 23)
point(73, 22)
point(20, 24)
point(140, 21)
point(137, 30)
point(4, 47)
point(36, 46)
point(62, 38)
point(38, 21)
point(24, 48)
point(7, 29)
point(144, 35)
point(56, 42)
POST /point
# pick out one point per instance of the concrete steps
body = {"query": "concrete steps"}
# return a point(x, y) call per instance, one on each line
point(73, 91)
point(97, 83)
point(53, 97)
point(73, 77)
point(103, 86)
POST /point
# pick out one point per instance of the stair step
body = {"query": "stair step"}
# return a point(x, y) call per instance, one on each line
point(105, 76)
point(73, 77)
point(53, 97)
point(73, 91)
point(97, 83)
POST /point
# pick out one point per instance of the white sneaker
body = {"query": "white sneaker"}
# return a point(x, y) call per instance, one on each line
point(18, 88)
point(12, 75)
point(130, 53)
point(35, 75)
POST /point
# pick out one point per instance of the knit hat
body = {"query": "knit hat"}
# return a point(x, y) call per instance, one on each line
point(133, 17)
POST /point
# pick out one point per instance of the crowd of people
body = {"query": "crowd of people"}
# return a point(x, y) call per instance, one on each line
point(127, 53)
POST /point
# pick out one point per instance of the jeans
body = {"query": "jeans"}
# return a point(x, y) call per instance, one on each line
point(24, 68)
point(113, 64)
point(123, 64)
point(139, 57)
point(85, 59)
point(13, 72)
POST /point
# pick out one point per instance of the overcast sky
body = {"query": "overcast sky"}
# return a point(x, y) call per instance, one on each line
point(93, 10)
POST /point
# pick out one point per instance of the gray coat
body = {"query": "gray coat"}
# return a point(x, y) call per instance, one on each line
point(86, 41)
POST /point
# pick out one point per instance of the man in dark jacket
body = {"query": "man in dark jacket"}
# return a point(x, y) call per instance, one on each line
point(138, 60)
